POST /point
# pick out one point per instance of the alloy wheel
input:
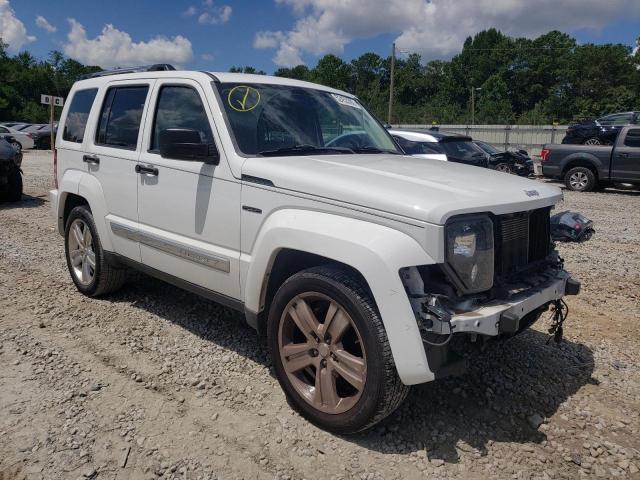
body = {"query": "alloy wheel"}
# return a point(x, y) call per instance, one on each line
point(81, 254)
point(322, 352)
point(592, 141)
point(578, 180)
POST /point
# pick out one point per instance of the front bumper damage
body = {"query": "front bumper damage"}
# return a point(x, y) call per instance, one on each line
point(505, 316)
point(440, 319)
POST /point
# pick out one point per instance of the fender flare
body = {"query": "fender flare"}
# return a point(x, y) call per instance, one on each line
point(376, 251)
point(592, 160)
point(87, 187)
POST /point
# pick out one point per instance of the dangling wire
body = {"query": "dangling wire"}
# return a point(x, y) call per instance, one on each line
point(560, 311)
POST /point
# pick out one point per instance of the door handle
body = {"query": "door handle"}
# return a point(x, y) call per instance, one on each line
point(91, 159)
point(146, 170)
point(623, 154)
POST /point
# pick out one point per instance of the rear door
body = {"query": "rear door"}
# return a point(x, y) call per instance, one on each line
point(112, 155)
point(625, 164)
point(189, 210)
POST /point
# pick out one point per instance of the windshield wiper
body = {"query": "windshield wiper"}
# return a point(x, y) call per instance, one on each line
point(302, 149)
point(375, 150)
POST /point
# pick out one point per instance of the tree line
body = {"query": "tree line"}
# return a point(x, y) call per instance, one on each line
point(543, 80)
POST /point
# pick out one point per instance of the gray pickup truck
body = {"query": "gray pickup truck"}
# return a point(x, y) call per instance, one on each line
point(588, 167)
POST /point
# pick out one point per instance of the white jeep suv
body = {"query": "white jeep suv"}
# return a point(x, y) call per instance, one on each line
point(290, 202)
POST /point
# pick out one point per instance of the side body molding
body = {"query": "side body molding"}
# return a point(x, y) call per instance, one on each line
point(376, 251)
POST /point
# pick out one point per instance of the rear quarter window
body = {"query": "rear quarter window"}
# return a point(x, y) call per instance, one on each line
point(633, 138)
point(76, 121)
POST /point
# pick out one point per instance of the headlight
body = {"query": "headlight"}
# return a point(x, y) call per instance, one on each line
point(469, 255)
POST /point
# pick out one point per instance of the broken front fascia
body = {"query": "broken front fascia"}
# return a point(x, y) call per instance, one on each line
point(435, 314)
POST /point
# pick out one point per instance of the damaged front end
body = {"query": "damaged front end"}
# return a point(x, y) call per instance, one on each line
point(501, 273)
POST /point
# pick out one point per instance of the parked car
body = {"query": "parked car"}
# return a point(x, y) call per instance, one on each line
point(42, 135)
point(289, 202)
point(587, 167)
point(508, 161)
point(12, 124)
point(601, 131)
point(10, 173)
point(24, 140)
point(439, 145)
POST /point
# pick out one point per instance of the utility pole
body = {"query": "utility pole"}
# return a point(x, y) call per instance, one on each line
point(473, 106)
point(393, 65)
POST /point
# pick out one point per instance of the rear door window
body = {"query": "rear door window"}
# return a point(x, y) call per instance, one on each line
point(462, 150)
point(120, 118)
point(78, 114)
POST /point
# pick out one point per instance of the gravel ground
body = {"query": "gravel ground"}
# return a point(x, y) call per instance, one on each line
point(155, 382)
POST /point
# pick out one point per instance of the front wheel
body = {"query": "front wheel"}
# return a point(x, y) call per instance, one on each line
point(89, 270)
point(504, 167)
point(330, 351)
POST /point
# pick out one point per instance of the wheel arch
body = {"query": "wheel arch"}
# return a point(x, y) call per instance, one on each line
point(579, 161)
point(78, 188)
point(292, 240)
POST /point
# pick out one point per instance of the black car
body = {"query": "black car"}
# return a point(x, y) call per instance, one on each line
point(517, 162)
point(439, 145)
point(10, 173)
point(601, 131)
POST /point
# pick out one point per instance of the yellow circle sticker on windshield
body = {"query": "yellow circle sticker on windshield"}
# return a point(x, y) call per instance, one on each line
point(243, 98)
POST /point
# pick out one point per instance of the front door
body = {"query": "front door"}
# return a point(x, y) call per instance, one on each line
point(625, 164)
point(189, 211)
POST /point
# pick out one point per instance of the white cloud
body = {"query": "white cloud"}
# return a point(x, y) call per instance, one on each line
point(434, 28)
point(190, 12)
point(12, 30)
point(215, 15)
point(44, 24)
point(115, 48)
point(268, 39)
point(207, 57)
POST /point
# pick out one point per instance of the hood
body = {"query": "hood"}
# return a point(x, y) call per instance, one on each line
point(416, 188)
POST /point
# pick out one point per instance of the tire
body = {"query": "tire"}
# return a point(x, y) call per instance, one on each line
point(592, 141)
point(105, 278)
point(381, 389)
point(14, 192)
point(504, 167)
point(580, 179)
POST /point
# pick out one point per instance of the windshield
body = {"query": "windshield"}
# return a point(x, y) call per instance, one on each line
point(289, 120)
point(487, 147)
point(461, 150)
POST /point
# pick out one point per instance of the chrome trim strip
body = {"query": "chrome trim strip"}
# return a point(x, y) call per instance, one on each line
point(193, 254)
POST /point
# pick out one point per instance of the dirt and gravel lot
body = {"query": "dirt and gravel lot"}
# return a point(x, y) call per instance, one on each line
point(156, 382)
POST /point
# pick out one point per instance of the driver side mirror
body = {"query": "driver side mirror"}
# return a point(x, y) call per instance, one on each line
point(185, 144)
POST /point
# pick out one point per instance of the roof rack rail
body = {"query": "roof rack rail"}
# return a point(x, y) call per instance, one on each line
point(156, 67)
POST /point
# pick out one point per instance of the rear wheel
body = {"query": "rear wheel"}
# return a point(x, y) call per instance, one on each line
point(331, 353)
point(592, 141)
point(89, 270)
point(580, 179)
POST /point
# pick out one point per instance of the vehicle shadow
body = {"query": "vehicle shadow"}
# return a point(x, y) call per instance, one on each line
point(27, 201)
point(618, 191)
point(497, 400)
point(507, 391)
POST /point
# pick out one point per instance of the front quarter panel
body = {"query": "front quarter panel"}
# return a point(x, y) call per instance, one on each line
point(376, 251)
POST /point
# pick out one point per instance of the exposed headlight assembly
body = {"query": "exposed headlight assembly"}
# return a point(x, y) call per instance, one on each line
point(469, 255)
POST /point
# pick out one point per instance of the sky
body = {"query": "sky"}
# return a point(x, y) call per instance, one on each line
point(267, 34)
